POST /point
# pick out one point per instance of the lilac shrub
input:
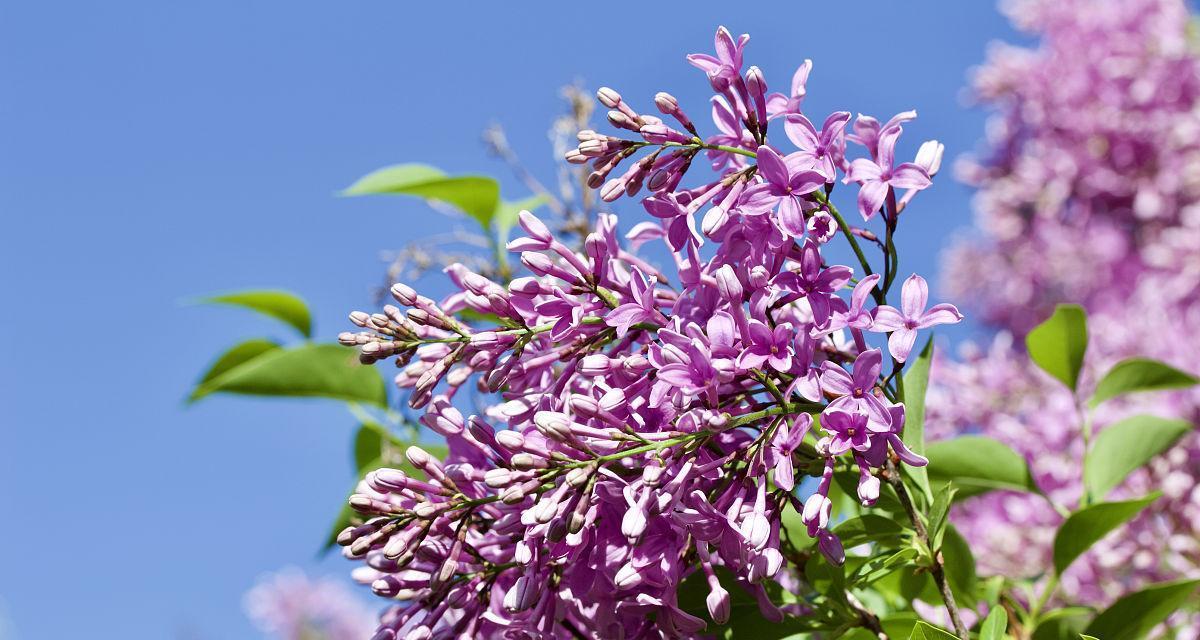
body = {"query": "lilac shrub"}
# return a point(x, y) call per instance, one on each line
point(639, 426)
point(1091, 195)
point(289, 605)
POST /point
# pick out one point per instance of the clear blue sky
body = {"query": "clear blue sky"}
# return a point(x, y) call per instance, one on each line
point(152, 151)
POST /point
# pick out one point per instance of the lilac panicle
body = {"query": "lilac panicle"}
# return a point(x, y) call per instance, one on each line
point(639, 426)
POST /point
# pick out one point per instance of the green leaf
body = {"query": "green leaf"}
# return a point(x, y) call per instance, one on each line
point(1085, 527)
point(745, 618)
point(994, 625)
point(925, 631)
point(959, 565)
point(939, 512)
point(1140, 374)
point(506, 214)
point(310, 370)
point(1134, 615)
point(476, 196)
point(1125, 446)
point(977, 464)
point(869, 528)
point(281, 305)
point(880, 566)
point(916, 382)
point(1062, 624)
point(368, 446)
point(237, 355)
point(1084, 636)
point(1058, 344)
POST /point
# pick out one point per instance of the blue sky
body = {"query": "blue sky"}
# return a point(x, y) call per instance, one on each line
point(152, 151)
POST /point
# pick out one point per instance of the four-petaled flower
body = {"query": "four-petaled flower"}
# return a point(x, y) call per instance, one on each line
point(783, 187)
point(904, 322)
point(824, 151)
point(877, 176)
point(644, 309)
point(766, 346)
point(847, 429)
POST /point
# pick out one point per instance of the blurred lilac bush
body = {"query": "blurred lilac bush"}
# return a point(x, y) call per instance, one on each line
point(1091, 194)
point(289, 605)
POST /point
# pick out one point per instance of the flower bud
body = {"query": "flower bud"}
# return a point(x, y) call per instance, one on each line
point(728, 284)
point(596, 364)
point(718, 603)
point(608, 97)
point(534, 227)
point(404, 294)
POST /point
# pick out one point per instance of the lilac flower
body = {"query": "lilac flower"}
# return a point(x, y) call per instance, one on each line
point(783, 188)
point(903, 323)
point(728, 62)
point(625, 462)
point(643, 309)
point(764, 345)
point(824, 151)
point(676, 217)
point(877, 176)
point(848, 430)
point(779, 104)
point(856, 392)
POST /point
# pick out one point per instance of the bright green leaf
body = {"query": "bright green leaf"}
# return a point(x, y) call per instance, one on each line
point(281, 305)
point(1140, 374)
point(959, 564)
point(880, 566)
point(368, 446)
point(939, 512)
point(1085, 527)
point(476, 196)
point(978, 464)
point(1058, 344)
point(994, 625)
point(1125, 446)
point(916, 381)
point(925, 631)
point(310, 370)
point(1084, 636)
point(1134, 615)
point(1062, 624)
point(236, 356)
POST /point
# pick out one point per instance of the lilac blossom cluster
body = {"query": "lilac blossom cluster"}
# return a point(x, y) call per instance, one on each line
point(1092, 196)
point(639, 425)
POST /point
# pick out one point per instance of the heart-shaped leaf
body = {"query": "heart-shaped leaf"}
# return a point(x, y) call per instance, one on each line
point(1058, 344)
point(1085, 527)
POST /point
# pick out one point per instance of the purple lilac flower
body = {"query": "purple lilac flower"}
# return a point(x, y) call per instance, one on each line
point(903, 323)
point(878, 176)
point(635, 426)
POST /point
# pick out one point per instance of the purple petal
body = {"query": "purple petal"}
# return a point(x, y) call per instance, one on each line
point(870, 197)
point(835, 380)
point(791, 217)
point(909, 176)
point(886, 154)
point(900, 343)
point(914, 296)
point(940, 314)
point(866, 368)
point(887, 318)
point(801, 132)
point(771, 166)
point(863, 170)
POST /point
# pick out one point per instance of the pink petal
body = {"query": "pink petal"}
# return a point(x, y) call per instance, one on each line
point(771, 166)
point(801, 132)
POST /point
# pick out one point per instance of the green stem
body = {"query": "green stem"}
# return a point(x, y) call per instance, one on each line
point(846, 231)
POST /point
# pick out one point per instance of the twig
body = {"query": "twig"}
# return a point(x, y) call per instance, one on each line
point(938, 570)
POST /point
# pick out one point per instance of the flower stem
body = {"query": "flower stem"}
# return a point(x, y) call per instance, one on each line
point(938, 569)
point(846, 231)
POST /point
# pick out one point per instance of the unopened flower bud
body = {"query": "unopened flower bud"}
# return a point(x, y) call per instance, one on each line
point(608, 97)
point(404, 294)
